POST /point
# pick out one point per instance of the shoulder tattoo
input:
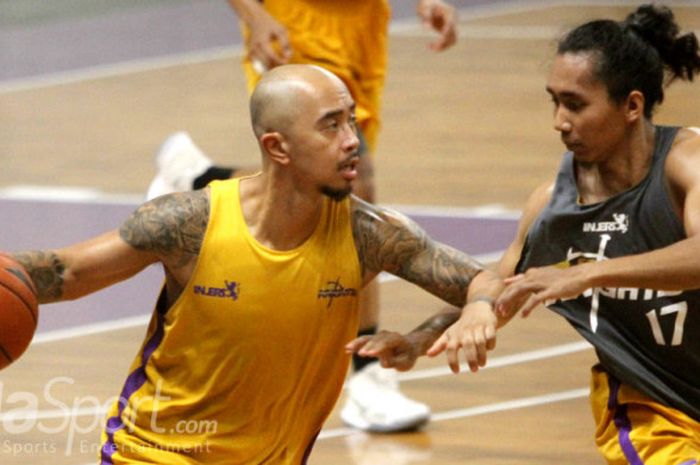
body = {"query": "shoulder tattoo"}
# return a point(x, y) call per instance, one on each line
point(389, 241)
point(171, 226)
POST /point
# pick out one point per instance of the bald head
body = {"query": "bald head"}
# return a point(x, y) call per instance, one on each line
point(284, 92)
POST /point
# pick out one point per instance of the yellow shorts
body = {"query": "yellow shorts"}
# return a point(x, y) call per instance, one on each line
point(348, 39)
point(633, 429)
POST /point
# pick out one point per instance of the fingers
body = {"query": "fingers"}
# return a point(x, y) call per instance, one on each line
point(514, 279)
point(452, 352)
point(267, 53)
point(532, 302)
point(269, 46)
point(507, 305)
point(356, 344)
point(390, 348)
point(441, 17)
point(438, 346)
point(284, 46)
point(474, 345)
point(490, 334)
point(442, 20)
point(382, 344)
point(476, 355)
point(518, 289)
point(444, 24)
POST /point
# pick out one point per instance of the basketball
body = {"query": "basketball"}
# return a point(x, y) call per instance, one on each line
point(19, 310)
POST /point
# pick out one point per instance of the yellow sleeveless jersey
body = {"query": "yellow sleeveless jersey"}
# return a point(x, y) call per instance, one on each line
point(248, 362)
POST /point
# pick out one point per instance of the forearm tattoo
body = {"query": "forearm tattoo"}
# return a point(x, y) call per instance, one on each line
point(47, 272)
point(171, 226)
point(388, 241)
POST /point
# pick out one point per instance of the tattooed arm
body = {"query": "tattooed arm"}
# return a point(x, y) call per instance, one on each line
point(388, 241)
point(167, 229)
point(80, 269)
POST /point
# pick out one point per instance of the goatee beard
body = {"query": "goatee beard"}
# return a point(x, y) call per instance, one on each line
point(336, 194)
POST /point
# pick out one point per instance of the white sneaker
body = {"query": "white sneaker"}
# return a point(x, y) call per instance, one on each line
point(374, 403)
point(178, 163)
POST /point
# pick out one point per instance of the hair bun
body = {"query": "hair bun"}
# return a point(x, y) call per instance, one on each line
point(656, 25)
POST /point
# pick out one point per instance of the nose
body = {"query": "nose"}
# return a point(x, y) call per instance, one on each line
point(352, 141)
point(561, 122)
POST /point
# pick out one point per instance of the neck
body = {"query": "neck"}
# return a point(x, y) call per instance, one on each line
point(277, 216)
point(625, 167)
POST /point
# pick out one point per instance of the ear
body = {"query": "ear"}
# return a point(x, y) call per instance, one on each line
point(635, 106)
point(276, 148)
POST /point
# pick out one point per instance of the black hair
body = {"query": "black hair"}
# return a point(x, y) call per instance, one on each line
point(634, 54)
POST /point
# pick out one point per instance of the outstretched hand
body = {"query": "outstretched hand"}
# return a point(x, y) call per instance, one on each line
point(524, 292)
point(441, 17)
point(474, 333)
point(393, 350)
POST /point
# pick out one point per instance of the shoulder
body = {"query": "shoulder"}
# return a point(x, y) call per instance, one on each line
point(537, 201)
point(385, 239)
point(687, 142)
point(683, 162)
point(170, 223)
point(373, 218)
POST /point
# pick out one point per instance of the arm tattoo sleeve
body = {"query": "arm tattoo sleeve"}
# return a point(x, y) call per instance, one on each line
point(171, 226)
point(46, 270)
point(389, 241)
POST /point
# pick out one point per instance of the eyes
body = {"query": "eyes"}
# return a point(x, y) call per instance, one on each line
point(334, 123)
point(572, 104)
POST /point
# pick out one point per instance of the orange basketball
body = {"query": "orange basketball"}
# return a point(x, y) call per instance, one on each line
point(19, 310)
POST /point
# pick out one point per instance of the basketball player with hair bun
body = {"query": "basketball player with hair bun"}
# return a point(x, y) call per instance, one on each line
point(613, 243)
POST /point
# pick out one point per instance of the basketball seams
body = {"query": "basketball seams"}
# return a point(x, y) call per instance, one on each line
point(6, 354)
point(28, 306)
point(22, 276)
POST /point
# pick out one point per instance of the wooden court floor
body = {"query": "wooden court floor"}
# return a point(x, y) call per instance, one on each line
point(463, 129)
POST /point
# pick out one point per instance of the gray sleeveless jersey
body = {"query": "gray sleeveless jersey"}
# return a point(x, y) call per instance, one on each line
point(647, 338)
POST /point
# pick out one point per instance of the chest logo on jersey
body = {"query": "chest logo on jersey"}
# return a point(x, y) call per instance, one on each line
point(335, 290)
point(230, 291)
point(620, 223)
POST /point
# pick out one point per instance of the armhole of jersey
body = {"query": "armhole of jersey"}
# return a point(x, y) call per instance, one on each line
point(665, 185)
point(355, 245)
point(213, 203)
point(356, 250)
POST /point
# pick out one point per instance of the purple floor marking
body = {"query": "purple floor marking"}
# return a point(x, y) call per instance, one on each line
point(32, 224)
point(41, 225)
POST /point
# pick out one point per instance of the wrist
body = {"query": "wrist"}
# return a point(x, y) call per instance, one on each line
point(591, 275)
point(245, 9)
point(481, 298)
point(420, 340)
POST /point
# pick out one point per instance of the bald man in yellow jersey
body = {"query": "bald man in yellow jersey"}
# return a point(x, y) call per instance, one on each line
point(350, 40)
point(244, 357)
